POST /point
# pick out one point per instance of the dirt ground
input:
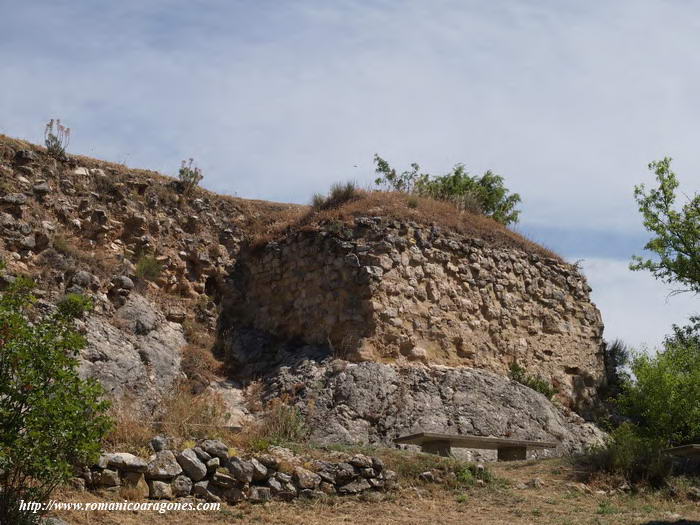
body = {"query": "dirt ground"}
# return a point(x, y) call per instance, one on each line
point(504, 501)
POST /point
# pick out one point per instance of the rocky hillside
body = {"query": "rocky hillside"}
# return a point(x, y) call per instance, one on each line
point(404, 286)
point(153, 261)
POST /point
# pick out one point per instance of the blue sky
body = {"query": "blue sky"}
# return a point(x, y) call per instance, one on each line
point(569, 101)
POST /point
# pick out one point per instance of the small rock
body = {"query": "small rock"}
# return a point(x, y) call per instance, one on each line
point(311, 494)
point(191, 464)
point(214, 447)
point(354, 487)
point(260, 494)
point(213, 464)
point(106, 478)
point(535, 483)
point(181, 486)
point(241, 470)
point(203, 456)
point(41, 189)
point(259, 470)
point(163, 466)
point(361, 461)
point(234, 495)
point(15, 199)
point(427, 476)
point(327, 488)
point(305, 479)
point(159, 490)
point(223, 480)
point(122, 282)
point(124, 461)
point(269, 461)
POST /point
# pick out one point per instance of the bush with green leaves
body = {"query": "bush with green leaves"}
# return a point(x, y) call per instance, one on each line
point(616, 357)
point(486, 195)
point(628, 453)
point(50, 418)
point(148, 268)
point(189, 175)
point(56, 138)
point(663, 399)
point(536, 383)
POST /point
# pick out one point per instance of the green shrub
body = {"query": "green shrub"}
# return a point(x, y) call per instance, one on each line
point(664, 397)
point(629, 453)
point(50, 419)
point(74, 305)
point(190, 176)
point(536, 383)
point(486, 194)
point(56, 141)
point(148, 268)
point(338, 195)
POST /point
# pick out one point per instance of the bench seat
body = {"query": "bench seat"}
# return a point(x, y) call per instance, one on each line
point(685, 450)
point(441, 444)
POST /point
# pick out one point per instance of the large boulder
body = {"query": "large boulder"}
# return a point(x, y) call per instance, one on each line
point(375, 403)
point(134, 365)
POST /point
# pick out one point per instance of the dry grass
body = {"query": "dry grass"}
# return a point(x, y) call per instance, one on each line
point(404, 207)
point(199, 363)
point(280, 424)
point(132, 429)
point(418, 504)
point(182, 416)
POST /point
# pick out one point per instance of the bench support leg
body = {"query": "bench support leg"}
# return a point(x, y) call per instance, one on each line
point(441, 448)
point(512, 453)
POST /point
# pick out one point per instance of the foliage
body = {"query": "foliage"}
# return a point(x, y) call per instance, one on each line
point(50, 419)
point(629, 453)
point(148, 268)
point(73, 305)
point(189, 175)
point(664, 398)
point(616, 356)
point(486, 194)
point(676, 241)
point(56, 141)
point(339, 194)
point(536, 383)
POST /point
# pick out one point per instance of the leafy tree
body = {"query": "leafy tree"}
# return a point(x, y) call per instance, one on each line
point(676, 241)
point(664, 398)
point(486, 194)
point(50, 418)
point(616, 356)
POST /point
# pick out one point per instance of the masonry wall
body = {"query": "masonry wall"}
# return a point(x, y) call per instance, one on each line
point(392, 291)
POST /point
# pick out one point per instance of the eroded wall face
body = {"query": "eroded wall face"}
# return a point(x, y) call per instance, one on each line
point(397, 292)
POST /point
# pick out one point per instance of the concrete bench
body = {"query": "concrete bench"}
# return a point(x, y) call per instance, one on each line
point(441, 444)
point(685, 450)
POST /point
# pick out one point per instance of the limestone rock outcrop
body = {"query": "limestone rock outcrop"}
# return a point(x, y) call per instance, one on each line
point(374, 403)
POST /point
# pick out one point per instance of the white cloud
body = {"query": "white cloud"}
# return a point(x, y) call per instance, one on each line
point(635, 307)
point(568, 100)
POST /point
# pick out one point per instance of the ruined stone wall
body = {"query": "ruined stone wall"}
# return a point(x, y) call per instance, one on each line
point(393, 291)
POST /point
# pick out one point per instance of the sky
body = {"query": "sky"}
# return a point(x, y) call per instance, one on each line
point(568, 100)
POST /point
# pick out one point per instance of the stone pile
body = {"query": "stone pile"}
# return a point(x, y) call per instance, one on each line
point(207, 471)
